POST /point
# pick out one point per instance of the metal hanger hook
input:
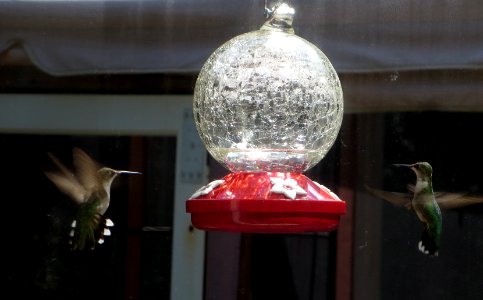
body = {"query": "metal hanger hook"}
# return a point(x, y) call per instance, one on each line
point(268, 12)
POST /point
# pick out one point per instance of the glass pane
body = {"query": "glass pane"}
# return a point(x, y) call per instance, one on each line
point(411, 77)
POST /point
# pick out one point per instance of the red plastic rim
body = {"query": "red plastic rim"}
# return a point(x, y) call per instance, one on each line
point(265, 202)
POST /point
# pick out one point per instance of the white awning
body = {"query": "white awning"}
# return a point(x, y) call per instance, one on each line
point(177, 36)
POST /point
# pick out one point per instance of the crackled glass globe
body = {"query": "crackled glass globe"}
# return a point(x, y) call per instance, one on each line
point(268, 100)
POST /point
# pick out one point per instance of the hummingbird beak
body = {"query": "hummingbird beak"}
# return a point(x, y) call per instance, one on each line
point(127, 172)
point(403, 165)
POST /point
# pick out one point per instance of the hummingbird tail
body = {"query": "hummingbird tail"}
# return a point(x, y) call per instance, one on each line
point(90, 234)
point(428, 244)
point(104, 230)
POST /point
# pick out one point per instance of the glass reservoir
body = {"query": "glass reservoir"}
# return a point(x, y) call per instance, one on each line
point(268, 106)
point(268, 100)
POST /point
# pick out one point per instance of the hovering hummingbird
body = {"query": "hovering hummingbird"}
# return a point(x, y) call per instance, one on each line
point(89, 187)
point(424, 204)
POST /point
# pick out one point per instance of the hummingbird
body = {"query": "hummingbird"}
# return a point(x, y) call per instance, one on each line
point(89, 187)
point(423, 203)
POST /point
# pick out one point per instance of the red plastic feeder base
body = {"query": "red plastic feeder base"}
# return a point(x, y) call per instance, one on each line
point(265, 202)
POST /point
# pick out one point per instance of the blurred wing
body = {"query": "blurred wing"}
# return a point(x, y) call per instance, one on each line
point(86, 169)
point(398, 199)
point(66, 181)
point(453, 200)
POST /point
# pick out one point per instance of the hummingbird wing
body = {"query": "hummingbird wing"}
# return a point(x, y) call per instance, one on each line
point(86, 169)
point(453, 200)
point(448, 200)
point(398, 199)
point(445, 200)
point(66, 181)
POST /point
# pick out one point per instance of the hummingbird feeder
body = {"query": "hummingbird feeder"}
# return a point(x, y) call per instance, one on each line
point(268, 106)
